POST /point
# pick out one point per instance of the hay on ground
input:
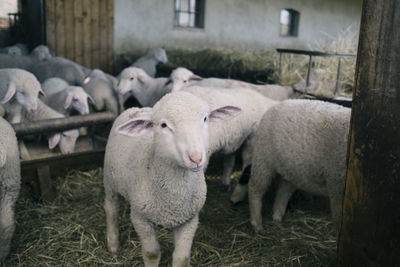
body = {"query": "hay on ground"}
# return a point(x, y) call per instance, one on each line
point(71, 231)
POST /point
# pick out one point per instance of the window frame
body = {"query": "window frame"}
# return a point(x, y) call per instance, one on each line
point(198, 13)
point(293, 25)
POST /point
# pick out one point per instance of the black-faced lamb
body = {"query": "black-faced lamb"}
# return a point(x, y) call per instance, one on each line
point(18, 89)
point(10, 179)
point(149, 62)
point(155, 158)
point(305, 143)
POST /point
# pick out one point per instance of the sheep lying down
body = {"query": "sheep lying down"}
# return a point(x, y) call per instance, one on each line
point(304, 142)
point(165, 182)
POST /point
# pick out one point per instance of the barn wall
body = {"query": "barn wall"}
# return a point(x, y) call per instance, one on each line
point(250, 24)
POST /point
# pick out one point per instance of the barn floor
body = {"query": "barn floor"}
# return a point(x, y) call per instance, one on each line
point(71, 231)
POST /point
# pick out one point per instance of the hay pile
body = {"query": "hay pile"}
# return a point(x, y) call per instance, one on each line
point(324, 70)
point(71, 231)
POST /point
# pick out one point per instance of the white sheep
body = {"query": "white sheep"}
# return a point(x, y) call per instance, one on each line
point(165, 182)
point(18, 89)
point(146, 89)
point(102, 88)
point(227, 138)
point(41, 53)
point(149, 61)
point(182, 77)
point(65, 140)
point(11, 50)
point(10, 179)
point(64, 98)
point(305, 143)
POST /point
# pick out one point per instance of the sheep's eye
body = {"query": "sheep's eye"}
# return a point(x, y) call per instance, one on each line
point(205, 119)
point(131, 78)
point(163, 125)
point(185, 81)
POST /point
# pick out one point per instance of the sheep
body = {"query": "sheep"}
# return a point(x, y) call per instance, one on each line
point(11, 50)
point(305, 143)
point(10, 179)
point(20, 62)
point(18, 89)
point(146, 89)
point(65, 140)
point(64, 98)
point(102, 88)
point(182, 77)
point(149, 61)
point(41, 53)
point(229, 137)
point(165, 182)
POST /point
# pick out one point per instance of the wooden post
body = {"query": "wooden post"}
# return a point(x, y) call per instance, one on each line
point(369, 233)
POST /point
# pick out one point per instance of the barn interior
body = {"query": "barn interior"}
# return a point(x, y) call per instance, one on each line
point(60, 218)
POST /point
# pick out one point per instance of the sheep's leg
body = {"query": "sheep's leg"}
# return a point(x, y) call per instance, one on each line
point(7, 222)
point(335, 191)
point(111, 207)
point(229, 163)
point(150, 248)
point(240, 191)
point(261, 178)
point(283, 194)
point(183, 238)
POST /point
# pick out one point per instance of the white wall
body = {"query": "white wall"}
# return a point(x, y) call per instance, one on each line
point(250, 24)
point(8, 6)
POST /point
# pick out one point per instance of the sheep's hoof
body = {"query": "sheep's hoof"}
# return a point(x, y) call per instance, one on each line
point(259, 230)
point(225, 188)
point(276, 217)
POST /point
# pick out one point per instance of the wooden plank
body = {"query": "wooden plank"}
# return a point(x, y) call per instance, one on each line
point(87, 48)
point(69, 29)
point(95, 33)
point(60, 38)
point(369, 230)
point(46, 186)
point(50, 25)
point(110, 36)
point(103, 35)
point(78, 25)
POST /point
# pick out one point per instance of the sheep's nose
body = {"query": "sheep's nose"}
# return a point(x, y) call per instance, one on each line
point(195, 157)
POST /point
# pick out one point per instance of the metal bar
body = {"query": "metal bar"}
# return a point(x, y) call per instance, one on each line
point(313, 53)
point(280, 68)
point(338, 76)
point(61, 124)
point(290, 62)
point(309, 71)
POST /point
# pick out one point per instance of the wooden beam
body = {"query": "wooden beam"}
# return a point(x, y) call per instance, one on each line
point(369, 233)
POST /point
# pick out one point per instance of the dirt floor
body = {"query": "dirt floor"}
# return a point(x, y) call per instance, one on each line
point(71, 231)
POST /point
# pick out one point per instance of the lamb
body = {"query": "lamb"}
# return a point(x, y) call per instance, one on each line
point(21, 62)
point(64, 98)
point(18, 89)
point(102, 88)
point(238, 132)
point(10, 179)
point(11, 50)
point(146, 89)
point(165, 182)
point(41, 53)
point(149, 61)
point(182, 77)
point(65, 140)
point(305, 143)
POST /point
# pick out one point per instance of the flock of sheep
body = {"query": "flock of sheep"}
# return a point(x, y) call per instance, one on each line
point(156, 155)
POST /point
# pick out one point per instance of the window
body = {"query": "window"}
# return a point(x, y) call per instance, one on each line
point(189, 13)
point(289, 22)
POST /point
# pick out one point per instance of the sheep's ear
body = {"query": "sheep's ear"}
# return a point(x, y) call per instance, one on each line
point(195, 78)
point(54, 140)
point(135, 127)
point(224, 113)
point(12, 89)
point(143, 79)
point(91, 100)
point(168, 82)
point(68, 100)
point(41, 92)
point(86, 80)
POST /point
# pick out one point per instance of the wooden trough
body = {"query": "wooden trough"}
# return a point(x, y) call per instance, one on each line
point(89, 151)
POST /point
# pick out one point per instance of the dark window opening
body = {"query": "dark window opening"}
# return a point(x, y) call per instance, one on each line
point(189, 13)
point(289, 20)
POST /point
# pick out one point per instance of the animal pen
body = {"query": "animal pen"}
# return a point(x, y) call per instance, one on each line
point(60, 215)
